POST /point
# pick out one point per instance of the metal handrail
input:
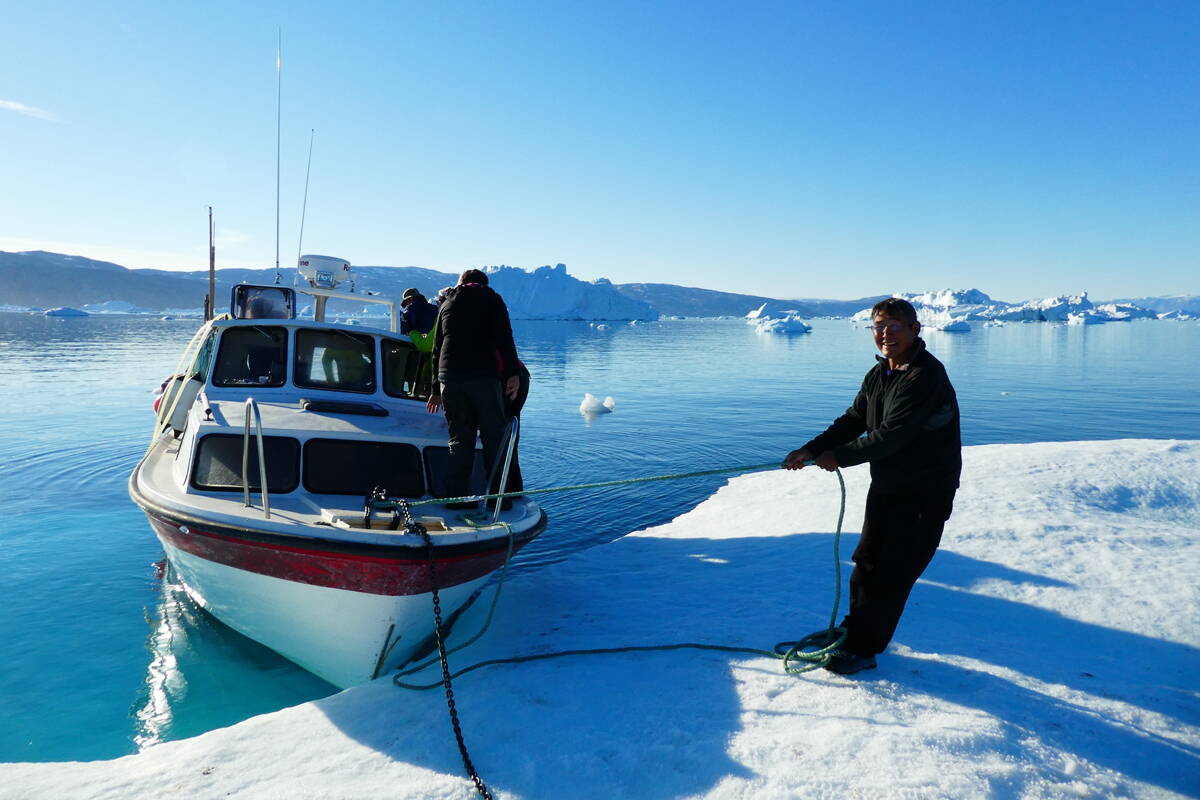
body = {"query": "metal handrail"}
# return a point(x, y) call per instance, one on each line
point(514, 427)
point(252, 406)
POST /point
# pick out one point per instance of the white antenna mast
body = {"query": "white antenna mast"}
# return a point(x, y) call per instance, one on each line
point(278, 114)
point(304, 207)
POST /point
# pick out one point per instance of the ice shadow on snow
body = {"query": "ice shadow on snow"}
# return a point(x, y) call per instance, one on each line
point(1076, 730)
point(659, 725)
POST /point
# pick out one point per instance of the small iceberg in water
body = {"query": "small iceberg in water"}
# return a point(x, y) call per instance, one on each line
point(592, 406)
point(945, 321)
point(65, 311)
point(1085, 318)
point(783, 325)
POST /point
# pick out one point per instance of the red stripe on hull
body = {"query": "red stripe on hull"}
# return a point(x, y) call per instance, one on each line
point(352, 572)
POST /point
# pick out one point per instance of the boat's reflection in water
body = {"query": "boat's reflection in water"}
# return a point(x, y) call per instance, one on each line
point(202, 674)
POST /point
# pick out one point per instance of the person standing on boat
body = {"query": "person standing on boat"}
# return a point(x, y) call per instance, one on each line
point(471, 332)
point(417, 314)
point(908, 411)
point(417, 319)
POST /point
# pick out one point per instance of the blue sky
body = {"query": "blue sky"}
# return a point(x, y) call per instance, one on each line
point(786, 149)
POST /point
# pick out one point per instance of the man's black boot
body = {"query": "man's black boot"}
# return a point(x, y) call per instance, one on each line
point(846, 663)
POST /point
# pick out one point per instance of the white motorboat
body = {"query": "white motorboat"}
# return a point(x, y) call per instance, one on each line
point(279, 475)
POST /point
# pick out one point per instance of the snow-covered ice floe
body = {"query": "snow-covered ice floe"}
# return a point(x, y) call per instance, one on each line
point(1050, 651)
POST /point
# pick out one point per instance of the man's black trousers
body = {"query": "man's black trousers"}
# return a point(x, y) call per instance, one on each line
point(900, 534)
point(473, 407)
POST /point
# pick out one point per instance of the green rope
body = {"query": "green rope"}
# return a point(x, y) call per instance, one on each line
point(472, 498)
point(804, 655)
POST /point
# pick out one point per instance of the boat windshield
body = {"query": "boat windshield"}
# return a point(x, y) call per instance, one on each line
point(203, 359)
point(334, 359)
point(252, 356)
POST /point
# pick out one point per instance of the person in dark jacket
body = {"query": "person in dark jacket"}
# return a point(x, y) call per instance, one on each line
point(472, 335)
point(418, 314)
point(908, 411)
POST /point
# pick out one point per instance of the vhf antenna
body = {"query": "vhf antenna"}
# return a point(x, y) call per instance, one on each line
point(304, 207)
point(278, 126)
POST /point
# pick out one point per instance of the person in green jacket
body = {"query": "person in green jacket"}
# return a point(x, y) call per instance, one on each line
point(905, 422)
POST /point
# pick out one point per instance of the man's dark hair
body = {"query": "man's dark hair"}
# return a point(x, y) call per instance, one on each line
point(473, 276)
point(897, 308)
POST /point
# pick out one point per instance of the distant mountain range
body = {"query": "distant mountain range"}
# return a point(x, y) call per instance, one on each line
point(39, 279)
point(684, 301)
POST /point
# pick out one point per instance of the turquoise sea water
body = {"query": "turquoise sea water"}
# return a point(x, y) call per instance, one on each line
point(99, 656)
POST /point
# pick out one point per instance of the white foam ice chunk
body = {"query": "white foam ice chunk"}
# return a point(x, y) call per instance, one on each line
point(592, 405)
point(790, 324)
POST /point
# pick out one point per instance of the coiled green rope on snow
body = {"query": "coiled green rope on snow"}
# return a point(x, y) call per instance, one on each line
point(803, 655)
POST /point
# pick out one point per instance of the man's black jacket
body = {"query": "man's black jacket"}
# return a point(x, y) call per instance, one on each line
point(472, 330)
point(910, 418)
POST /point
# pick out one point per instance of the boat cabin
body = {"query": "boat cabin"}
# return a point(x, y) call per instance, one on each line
point(341, 408)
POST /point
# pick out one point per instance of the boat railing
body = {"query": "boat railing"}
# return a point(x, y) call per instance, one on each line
point(170, 400)
point(514, 428)
point(253, 413)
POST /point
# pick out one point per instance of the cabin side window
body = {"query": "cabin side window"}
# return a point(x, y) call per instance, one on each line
point(407, 371)
point(333, 359)
point(252, 356)
point(218, 463)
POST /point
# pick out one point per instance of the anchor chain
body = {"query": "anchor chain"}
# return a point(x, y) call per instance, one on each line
point(415, 527)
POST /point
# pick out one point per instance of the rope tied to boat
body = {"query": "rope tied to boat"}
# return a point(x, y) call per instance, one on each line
point(806, 654)
point(475, 498)
point(803, 655)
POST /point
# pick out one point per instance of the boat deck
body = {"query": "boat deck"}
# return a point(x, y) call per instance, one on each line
point(309, 516)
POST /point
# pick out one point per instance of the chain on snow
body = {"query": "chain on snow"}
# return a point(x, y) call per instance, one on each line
point(415, 527)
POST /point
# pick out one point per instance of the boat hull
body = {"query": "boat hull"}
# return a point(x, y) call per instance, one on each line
point(346, 614)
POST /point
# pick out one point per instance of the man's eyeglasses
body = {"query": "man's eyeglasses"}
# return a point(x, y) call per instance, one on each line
point(888, 327)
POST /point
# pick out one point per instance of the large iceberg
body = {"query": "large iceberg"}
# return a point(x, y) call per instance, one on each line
point(955, 307)
point(550, 293)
